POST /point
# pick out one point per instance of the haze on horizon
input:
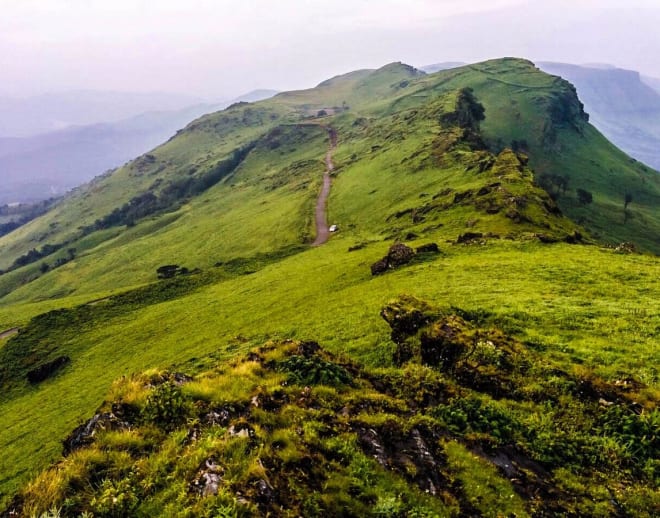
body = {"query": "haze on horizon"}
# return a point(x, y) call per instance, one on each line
point(219, 49)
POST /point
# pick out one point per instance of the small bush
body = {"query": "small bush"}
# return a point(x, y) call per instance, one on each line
point(117, 499)
point(472, 415)
point(166, 406)
point(314, 371)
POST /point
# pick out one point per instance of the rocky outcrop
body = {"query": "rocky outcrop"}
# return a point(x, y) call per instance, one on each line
point(398, 255)
point(84, 434)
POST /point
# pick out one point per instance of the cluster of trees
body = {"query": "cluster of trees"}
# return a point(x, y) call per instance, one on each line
point(71, 255)
point(34, 255)
point(468, 113)
point(138, 207)
point(584, 197)
point(556, 185)
point(10, 226)
point(21, 214)
point(172, 195)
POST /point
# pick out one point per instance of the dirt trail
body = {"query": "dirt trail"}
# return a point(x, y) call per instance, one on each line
point(322, 232)
point(9, 332)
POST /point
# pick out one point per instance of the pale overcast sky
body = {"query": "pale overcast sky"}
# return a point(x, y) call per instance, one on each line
point(221, 48)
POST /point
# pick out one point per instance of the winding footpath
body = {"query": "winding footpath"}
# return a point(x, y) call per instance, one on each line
point(322, 231)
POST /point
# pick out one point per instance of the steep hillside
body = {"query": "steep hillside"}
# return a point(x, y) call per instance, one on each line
point(41, 166)
point(544, 118)
point(50, 164)
point(480, 351)
point(620, 104)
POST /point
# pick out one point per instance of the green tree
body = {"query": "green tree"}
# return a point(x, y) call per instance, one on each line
point(469, 111)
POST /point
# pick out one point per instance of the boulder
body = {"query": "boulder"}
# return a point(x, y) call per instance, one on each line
point(469, 237)
point(399, 254)
point(208, 479)
point(379, 266)
point(445, 341)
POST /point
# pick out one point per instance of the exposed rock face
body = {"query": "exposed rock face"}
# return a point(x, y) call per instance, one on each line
point(413, 454)
point(208, 479)
point(84, 434)
point(406, 316)
point(444, 342)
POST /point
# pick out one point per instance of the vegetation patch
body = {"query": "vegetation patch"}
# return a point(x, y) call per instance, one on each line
point(291, 429)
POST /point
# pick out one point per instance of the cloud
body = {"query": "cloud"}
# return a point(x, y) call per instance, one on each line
point(218, 47)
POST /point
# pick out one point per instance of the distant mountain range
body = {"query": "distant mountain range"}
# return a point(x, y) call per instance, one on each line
point(653, 82)
point(445, 65)
point(40, 166)
point(55, 111)
point(622, 105)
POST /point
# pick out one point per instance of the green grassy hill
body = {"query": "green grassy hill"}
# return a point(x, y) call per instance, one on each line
point(519, 360)
point(382, 117)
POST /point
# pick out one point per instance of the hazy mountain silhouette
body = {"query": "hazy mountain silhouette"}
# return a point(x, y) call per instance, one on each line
point(44, 165)
point(622, 105)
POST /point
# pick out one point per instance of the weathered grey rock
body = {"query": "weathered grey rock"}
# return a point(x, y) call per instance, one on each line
point(84, 434)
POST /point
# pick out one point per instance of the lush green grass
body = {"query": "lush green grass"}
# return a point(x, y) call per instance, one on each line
point(392, 112)
point(567, 299)
point(400, 174)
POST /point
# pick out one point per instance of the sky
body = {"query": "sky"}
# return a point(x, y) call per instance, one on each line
point(218, 49)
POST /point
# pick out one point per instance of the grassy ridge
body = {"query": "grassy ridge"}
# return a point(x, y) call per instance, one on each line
point(401, 173)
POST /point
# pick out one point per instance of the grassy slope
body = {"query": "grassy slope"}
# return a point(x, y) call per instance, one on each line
point(573, 149)
point(328, 294)
point(565, 298)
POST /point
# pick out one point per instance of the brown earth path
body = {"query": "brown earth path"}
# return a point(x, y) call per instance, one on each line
point(9, 332)
point(322, 232)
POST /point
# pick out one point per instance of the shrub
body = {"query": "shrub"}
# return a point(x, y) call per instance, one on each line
point(117, 499)
point(314, 371)
point(166, 406)
point(471, 415)
point(639, 434)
